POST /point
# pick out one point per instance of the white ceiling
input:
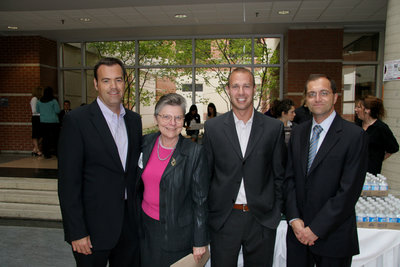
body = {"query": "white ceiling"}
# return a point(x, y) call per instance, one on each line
point(124, 19)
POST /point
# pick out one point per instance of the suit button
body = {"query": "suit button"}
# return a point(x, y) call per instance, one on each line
point(243, 162)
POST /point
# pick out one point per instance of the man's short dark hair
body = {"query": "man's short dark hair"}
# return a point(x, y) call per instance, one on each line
point(314, 77)
point(241, 69)
point(109, 61)
point(67, 101)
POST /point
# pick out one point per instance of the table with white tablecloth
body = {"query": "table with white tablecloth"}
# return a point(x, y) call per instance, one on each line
point(378, 248)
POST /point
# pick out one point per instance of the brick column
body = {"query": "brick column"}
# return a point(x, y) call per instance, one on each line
point(25, 63)
point(312, 51)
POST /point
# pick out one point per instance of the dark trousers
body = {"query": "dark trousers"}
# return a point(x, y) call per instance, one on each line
point(125, 253)
point(299, 255)
point(153, 253)
point(50, 133)
point(242, 230)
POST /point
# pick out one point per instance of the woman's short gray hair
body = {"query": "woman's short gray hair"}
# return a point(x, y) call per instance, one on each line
point(171, 99)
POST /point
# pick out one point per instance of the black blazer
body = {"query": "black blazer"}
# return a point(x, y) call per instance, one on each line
point(262, 168)
point(92, 180)
point(324, 198)
point(183, 194)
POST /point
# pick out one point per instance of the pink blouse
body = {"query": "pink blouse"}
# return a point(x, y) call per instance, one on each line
point(151, 177)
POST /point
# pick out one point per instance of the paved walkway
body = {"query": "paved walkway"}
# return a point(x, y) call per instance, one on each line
point(22, 246)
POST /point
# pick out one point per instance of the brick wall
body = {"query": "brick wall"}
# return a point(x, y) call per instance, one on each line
point(312, 51)
point(25, 63)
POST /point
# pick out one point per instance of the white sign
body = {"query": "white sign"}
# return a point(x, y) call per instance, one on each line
point(391, 71)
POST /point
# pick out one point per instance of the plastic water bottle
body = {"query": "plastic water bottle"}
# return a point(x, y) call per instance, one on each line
point(381, 215)
point(372, 215)
point(383, 186)
point(391, 216)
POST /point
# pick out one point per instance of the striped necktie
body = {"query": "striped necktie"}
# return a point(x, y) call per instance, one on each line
point(313, 145)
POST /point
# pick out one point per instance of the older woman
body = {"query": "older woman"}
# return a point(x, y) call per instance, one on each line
point(172, 189)
point(382, 143)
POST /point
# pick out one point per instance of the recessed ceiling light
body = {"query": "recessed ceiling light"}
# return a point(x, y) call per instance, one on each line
point(12, 27)
point(180, 16)
point(85, 19)
point(283, 12)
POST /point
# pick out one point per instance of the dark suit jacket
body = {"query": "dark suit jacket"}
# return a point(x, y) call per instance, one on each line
point(262, 168)
point(183, 195)
point(324, 198)
point(92, 180)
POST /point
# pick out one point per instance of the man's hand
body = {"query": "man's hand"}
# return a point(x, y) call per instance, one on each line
point(309, 237)
point(303, 234)
point(198, 252)
point(83, 245)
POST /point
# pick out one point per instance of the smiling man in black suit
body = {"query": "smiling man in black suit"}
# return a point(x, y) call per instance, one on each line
point(245, 151)
point(99, 149)
point(327, 160)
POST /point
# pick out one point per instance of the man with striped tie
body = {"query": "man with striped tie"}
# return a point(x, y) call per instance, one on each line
point(324, 177)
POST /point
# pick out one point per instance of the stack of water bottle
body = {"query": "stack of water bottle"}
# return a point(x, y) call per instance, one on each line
point(375, 185)
point(378, 209)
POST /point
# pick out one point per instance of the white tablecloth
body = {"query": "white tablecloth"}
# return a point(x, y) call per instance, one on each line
point(378, 248)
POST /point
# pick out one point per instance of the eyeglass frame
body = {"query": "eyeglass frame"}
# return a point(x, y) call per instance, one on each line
point(322, 93)
point(168, 118)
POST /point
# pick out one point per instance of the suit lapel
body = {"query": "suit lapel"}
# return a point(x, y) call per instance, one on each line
point(331, 138)
point(100, 123)
point(231, 134)
point(129, 131)
point(255, 134)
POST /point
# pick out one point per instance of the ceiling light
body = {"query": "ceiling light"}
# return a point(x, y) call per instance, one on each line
point(12, 27)
point(85, 19)
point(180, 16)
point(283, 12)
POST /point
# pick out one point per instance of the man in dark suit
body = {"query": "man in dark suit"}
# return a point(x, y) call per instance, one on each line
point(99, 149)
point(245, 151)
point(324, 177)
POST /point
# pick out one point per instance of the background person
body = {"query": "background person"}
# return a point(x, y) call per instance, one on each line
point(192, 117)
point(66, 109)
point(172, 190)
point(211, 111)
point(382, 143)
point(48, 108)
point(302, 113)
point(327, 162)
point(36, 134)
point(285, 113)
point(99, 150)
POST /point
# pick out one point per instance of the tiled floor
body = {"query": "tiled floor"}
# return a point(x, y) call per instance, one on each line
point(27, 242)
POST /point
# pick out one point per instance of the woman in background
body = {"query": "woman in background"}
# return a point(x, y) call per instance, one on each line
point(285, 113)
point(36, 95)
point(172, 190)
point(211, 111)
point(382, 143)
point(48, 108)
point(192, 117)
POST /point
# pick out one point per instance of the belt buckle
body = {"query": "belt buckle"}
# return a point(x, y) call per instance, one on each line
point(244, 207)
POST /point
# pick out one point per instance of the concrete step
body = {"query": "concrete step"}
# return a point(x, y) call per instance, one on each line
point(28, 183)
point(30, 211)
point(29, 196)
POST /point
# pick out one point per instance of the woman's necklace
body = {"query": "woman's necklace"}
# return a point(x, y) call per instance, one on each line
point(158, 150)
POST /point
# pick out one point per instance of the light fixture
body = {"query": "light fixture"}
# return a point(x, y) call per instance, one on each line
point(180, 16)
point(283, 12)
point(13, 27)
point(85, 19)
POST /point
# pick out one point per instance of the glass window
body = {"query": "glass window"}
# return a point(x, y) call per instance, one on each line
point(71, 55)
point(223, 51)
point(73, 87)
point(360, 46)
point(165, 52)
point(266, 50)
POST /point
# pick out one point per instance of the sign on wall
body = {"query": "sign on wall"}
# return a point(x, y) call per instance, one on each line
point(391, 70)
